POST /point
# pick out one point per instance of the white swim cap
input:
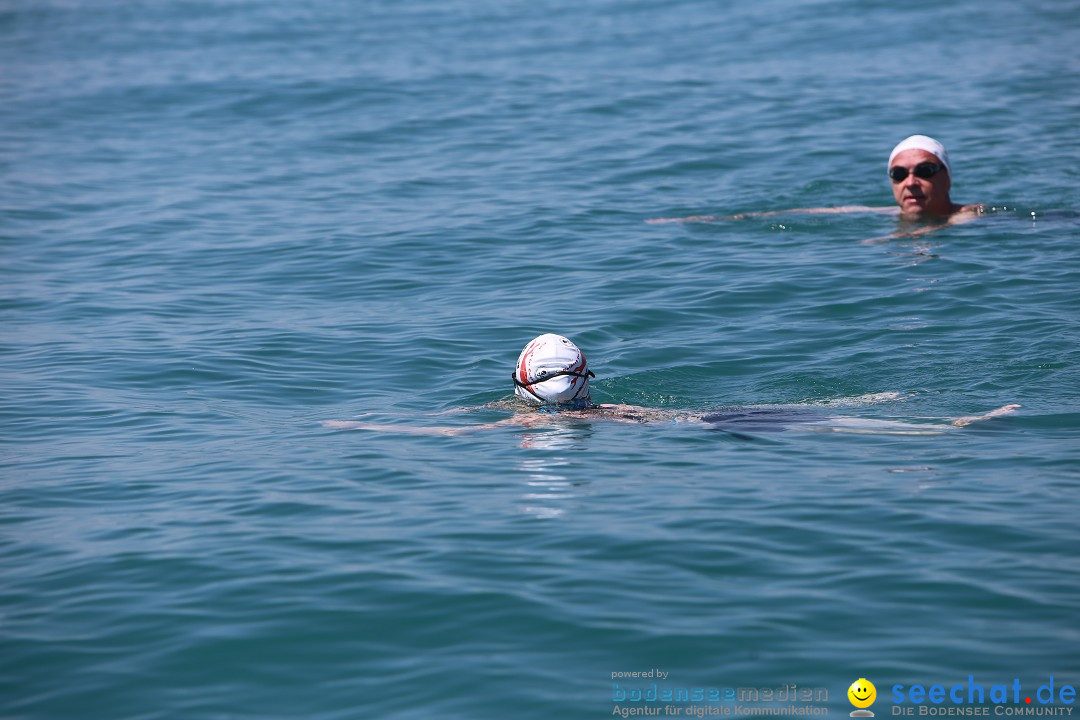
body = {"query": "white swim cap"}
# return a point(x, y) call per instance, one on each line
point(551, 369)
point(922, 142)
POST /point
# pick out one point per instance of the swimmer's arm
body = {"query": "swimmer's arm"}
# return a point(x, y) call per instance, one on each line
point(892, 427)
point(1003, 410)
point(634, 414)
point(447, 430)
point(519, 419)
point(803, 211)
point(619, 413)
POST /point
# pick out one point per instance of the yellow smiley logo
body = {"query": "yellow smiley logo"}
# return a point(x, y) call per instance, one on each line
point(862, 693)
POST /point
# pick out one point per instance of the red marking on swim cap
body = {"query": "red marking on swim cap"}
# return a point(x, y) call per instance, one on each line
point(523, 370)
point(578, 368)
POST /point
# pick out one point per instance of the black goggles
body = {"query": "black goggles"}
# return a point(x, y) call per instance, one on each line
point(923, 171)
point(545, 375)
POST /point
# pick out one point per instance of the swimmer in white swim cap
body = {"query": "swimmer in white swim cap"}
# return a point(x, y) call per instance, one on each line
point(921, 177)
point(552, 376)
point(551, 370)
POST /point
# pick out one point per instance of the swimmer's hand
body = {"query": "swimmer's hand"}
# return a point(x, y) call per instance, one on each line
point(1003, 410)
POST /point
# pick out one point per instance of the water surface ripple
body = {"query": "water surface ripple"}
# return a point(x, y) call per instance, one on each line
point(226, 221)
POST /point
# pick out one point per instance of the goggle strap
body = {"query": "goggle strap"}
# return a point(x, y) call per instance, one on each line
point(549, 376)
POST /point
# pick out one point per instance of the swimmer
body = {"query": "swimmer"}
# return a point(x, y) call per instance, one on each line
point(921, 178)
point(551, 385)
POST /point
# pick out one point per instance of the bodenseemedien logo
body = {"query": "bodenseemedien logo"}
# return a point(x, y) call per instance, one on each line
point(862, 694)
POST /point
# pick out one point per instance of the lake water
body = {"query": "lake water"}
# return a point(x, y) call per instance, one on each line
point(226, 221)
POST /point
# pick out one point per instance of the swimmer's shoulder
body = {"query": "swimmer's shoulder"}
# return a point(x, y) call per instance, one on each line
point(636, 414)
point(624, 413)
point(967, 213)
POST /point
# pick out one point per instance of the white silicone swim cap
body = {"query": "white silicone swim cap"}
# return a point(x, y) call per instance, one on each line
point(922, 142)
point(551, 369)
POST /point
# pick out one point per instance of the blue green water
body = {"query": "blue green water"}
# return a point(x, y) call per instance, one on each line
point(225, 221)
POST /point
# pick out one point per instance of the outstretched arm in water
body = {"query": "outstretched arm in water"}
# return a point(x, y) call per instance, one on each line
point(1003, 410)
point(532, 418)
point(802, 211)
point(525, 418)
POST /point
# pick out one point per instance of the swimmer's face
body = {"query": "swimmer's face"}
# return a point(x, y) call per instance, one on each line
point(919, 197)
